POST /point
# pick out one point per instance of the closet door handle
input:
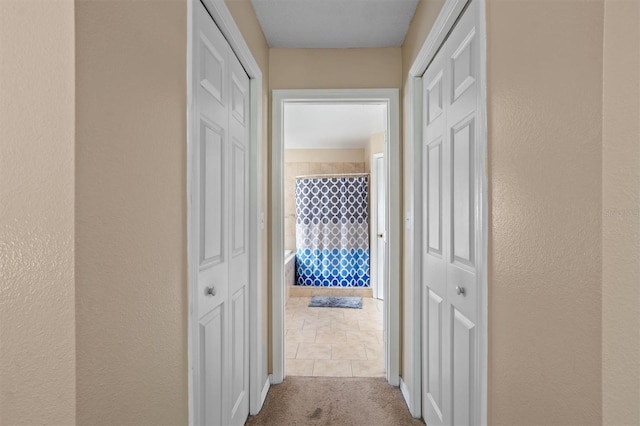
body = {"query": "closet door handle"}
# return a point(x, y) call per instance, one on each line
point(460, 291)
point(380, 235)
point(210, 291)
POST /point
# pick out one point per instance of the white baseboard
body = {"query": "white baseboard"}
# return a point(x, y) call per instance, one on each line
point(263, 396)
point(265, 390)
point(405, 393)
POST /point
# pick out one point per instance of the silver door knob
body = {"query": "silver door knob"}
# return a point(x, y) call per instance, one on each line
point(460, 290)
point(210, 291)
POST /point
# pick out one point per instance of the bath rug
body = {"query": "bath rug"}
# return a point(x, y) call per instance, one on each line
point(336, 302)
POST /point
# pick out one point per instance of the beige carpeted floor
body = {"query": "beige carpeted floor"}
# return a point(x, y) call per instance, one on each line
point(334, 401)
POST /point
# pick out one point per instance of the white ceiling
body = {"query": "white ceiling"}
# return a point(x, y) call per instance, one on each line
point(334, 23)
point(325, 125)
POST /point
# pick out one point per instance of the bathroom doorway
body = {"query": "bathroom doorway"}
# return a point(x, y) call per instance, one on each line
point(325, 147)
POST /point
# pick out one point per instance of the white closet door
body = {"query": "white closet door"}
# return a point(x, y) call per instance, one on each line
point(436, 368)
point(238, 161)
point(462, 290)
point(221, 199)
point(450, 199)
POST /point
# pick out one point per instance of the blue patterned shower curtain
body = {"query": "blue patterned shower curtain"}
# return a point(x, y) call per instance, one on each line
point(332, 232)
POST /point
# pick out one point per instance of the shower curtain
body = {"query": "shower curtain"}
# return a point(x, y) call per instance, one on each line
point(332, 231)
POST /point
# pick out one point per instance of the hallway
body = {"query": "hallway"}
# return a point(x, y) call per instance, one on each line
point(103, 272)
point(343, 401)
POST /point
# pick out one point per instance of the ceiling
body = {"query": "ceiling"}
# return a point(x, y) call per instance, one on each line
point(330, 125)
point(334, 23)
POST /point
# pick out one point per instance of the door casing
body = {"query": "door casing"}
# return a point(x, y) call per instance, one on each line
point(258, 386)
point(390, 97)
point(449, 14)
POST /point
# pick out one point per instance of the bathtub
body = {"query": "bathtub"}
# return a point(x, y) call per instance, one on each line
point(293, 290)
point(289, 271)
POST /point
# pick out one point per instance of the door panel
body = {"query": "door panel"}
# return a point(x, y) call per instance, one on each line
point(462, 66)
point(238, 355)
point(434, 382)
point(212, 184)
point(434, 192)
point(450, 193)
point(433, 96)
point(463, 340)
point(212, 332)
point(462, 154)
point(212, 67)
point(239, 192)
point(239, 98)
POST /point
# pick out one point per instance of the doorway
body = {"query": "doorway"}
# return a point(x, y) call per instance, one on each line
point(329, 155)
point(282, 100)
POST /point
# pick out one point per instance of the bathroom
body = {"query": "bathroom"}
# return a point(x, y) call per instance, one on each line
point(333, 178)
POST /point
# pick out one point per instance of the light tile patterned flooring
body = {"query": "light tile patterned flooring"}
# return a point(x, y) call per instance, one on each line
point(338, 342)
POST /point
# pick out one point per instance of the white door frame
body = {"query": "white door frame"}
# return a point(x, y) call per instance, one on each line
point(223, 19)
point(390, 97)
point(446, 20)
point(374, 219)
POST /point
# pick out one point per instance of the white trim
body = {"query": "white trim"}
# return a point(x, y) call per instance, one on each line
point(406, 394)
point(265, 390)
point(277, 241)
point(445, 21)
point(413, 293)
point(447, 18)
point(256, 352)
point(192, 273)
point(373, 243)
point(482, 177)
point(392, 154)
point(223, 19)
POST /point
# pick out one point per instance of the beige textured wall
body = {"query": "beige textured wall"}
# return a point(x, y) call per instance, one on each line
point(374, 146)
point(245, 17)
point(621, 214)
point(37, 332)
point(131, 275)
point(545, 132)
point(335, 68)
point(300, 162)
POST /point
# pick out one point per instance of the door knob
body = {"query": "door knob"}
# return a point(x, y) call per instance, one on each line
point(380, 235)
point(210, 291)
point(460, 290)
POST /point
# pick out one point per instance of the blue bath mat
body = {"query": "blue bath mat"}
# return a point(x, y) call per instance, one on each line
point(336, 302)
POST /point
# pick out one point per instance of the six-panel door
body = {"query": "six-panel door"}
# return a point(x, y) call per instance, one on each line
point(450, 293)
point(221, 198)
